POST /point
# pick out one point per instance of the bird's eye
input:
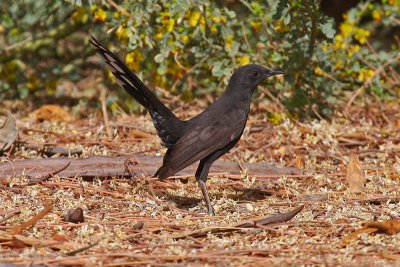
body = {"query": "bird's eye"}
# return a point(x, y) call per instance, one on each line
point(254, 73)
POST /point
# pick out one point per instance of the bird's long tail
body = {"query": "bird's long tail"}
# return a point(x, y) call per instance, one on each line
point(166, 123)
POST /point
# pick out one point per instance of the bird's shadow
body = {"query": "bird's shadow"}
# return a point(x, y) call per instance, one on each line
point(248, 194)
point(182, 202)
point(245, 194)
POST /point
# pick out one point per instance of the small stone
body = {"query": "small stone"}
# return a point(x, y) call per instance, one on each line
point(74, 216)
point(138, 226)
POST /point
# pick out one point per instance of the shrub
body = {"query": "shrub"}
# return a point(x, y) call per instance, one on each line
point(191, 47)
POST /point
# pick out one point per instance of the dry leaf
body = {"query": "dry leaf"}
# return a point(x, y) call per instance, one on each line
point(29, 241)
point(356, 234)
point(300, 161)
point(389, 227)
point(58, 237)
point(32, 221)
point(355, 176)
point(356, 135)
point(8, 132)
point(52, 113)
point(16, 243)
point(390, 256)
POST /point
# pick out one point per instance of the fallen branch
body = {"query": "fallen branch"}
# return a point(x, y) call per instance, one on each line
point(105, 166)
point(276, 218)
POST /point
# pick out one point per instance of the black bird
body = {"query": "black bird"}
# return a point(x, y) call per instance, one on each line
point(205, 137)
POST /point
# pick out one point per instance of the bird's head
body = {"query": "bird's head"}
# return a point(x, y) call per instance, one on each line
point(252, 75)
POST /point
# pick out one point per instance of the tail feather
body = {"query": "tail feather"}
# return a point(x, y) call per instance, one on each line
point(168, 126)
point(130, 82)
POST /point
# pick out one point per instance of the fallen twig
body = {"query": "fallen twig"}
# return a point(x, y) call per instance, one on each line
point(37, 242)
point(9, 216)
point(377, 200)
point(105, 114)
point(45, 177)
point(276, 218)
point(76, 251)
point(31, 222)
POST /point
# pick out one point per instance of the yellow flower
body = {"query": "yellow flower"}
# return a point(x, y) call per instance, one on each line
point(352, 50)
point(33, 83)
point(281, 27)
point(171, 24)
point(244, 60)
point(365, 75)
point(275, 118)
point(216, 19)
point(346, 29)
point(122, 34)
point(361, 35)
point(111, 76)
point(80, 15)
point(229, 42)
point(339, 43)
point(255, 25)
point(185, 39)
point(377, 15)
point(100, 14)
point(339, 64)
point(159, 36)
point(194, 18)
point(318, 71)
point(214, 29)
point(133, 60)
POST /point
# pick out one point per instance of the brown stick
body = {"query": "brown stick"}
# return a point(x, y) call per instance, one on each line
point(104, 111)
point(377, 200)
point(45, 177)
point(79, 250)
point(276, 218)
point(9, 216)
point(31, 222)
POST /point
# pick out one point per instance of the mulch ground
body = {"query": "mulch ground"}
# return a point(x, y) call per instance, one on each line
point(143, 221)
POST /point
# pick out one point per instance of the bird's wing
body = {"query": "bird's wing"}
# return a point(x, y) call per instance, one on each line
point(204, 139)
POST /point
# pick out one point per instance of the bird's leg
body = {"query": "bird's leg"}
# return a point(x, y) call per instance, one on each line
point(203, 187)
point(201, 177)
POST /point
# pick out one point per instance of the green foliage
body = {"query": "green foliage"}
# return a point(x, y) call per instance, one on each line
point(191, 47)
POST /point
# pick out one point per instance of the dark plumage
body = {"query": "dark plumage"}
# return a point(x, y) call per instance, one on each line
point(205, 137)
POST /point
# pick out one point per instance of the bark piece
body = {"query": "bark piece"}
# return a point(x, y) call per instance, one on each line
point(106, 166)
point(355, 176)
point(8, 133)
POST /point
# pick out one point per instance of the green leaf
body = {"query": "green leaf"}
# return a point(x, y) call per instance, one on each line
point(328, 30)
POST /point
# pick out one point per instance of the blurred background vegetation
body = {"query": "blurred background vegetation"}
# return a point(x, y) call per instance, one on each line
point(332, 51)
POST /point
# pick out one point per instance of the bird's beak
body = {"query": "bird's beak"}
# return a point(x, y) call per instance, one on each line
point(275, 72)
